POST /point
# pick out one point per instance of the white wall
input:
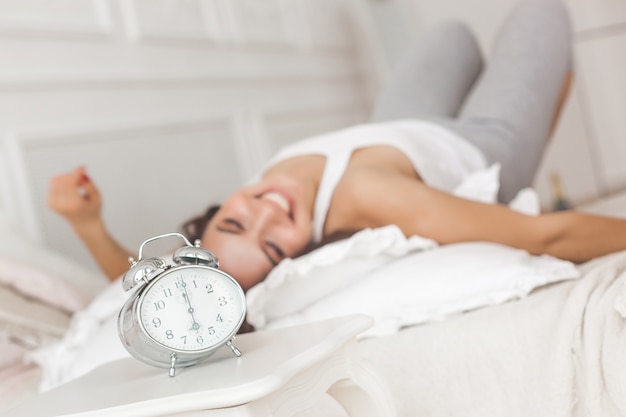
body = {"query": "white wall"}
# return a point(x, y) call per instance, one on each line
point(170, 104)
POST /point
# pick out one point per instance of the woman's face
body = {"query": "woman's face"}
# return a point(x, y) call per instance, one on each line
point(259, 226)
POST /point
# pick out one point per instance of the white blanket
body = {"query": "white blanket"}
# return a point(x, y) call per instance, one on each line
point(559, 352)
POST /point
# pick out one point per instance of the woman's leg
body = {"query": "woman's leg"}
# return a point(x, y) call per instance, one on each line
point(435, 78)
point(510, 113)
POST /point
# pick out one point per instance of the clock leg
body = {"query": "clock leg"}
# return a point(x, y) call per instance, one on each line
point(173, 359)
point(232, 347)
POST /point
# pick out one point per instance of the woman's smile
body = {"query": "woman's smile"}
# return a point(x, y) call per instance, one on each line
point(280, 199)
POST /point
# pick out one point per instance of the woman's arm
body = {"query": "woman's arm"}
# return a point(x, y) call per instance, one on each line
point(75, 197)
point(422, 210)
point(111, 257)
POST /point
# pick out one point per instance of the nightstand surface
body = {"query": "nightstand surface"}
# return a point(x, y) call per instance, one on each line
point(279, 372)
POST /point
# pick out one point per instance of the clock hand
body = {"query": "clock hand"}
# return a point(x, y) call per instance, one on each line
point(190, 310)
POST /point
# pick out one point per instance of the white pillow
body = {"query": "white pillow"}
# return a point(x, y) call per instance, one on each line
point(410, 289)
point(297, 283)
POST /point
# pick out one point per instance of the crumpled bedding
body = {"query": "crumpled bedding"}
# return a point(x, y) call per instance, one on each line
point(559, 352)
point(39, 291)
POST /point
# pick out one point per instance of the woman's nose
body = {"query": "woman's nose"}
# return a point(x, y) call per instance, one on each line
point(265, 213)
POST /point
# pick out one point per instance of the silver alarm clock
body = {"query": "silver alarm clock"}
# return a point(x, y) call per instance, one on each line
point(179, 314)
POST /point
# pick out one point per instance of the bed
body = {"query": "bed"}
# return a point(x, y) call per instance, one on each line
point(530, 336)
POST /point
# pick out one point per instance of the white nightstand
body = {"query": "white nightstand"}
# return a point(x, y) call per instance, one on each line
point(282, 372)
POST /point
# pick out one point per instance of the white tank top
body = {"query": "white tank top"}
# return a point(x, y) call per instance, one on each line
point(440, 157)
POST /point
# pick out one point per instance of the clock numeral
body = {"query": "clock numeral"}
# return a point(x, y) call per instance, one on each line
point(219, 318)
point(222, 301)
point(167, 292)
point(169, 334)
point(199, 339)
point(156, 321)
point(159, 305)
point(211, 330)
point(209, 288)
point(183, 284)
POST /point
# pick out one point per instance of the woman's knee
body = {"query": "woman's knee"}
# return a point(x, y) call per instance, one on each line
point(455, 37)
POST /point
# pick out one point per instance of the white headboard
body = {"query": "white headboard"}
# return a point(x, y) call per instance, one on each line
point(170, 104)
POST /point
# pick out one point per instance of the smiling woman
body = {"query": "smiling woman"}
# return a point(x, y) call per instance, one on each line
point(443, 122)
point(267, 221)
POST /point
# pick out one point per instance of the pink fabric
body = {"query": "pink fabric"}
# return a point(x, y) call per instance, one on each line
point(40, 285)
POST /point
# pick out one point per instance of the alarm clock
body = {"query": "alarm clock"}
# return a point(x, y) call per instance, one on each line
point(179, 313)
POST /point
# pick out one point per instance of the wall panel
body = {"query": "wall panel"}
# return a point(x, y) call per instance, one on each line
point(588, 16)
point(60, 17)
point(600, 61)
point(142, 171)
point(329, 24)
point(170, 104)
point(263, 22)
point(177, 20)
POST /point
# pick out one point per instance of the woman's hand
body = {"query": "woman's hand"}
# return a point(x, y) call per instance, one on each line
point(75, 197)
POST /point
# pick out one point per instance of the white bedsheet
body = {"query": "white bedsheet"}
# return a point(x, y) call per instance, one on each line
point(561, 352)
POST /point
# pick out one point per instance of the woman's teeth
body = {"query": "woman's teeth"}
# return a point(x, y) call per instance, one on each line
point(278, 199)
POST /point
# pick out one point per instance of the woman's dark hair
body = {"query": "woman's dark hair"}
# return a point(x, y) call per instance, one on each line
point(194, 227)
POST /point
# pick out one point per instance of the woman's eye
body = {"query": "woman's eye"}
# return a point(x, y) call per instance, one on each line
point(233, 223)
point(277, 251)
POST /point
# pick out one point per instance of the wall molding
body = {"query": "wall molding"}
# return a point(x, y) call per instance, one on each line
point(115, 131)
point(18, 193)
point(20, 206)
point(99, 29)
point(207, 32)
point(600, 33)
point(150, 81)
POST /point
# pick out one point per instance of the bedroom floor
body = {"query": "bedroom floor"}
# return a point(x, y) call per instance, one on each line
point(588, 148)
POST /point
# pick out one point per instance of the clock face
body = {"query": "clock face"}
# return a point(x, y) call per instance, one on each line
point(192, 308)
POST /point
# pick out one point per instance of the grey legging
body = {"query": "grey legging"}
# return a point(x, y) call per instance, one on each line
point(507, 107)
